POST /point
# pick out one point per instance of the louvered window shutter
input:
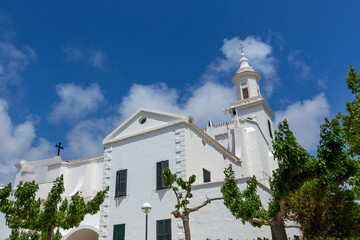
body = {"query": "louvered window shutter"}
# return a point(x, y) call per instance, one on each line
point(160, 167)
point(123, 177)
point(120, 186)
point(119, 232)
point(158, 175)
point(117, 184)
point(163, 229)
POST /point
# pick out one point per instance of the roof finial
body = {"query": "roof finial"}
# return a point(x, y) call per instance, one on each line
point(241, 48)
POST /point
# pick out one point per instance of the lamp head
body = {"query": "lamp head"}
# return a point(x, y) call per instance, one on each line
point(146, 208)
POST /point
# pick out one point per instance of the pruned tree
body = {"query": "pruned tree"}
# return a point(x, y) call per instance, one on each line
point(296, 167)
point(27, 216)
point(183, 196)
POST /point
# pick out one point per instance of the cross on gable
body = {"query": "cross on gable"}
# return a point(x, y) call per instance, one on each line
point(59, 147)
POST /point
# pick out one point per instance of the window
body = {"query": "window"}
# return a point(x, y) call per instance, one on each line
point(119, 232)
point(120, 187)
point(270, 132)
point(160, 167)
point(245, 93)
point(163, 229)
point(206, 175)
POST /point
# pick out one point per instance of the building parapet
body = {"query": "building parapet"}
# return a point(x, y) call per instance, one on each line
point(246, 101)
point(224, 124)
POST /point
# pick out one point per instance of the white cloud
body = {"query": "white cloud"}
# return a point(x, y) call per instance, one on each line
point(204, 102)
point(13, 61)
point(6, 26)
point(85, 139)
point(156, 96)
point(304, 118)
point(302, 69)
point(259, 55)
point(97, 58)
point(18, 142)
point(94, 57)
point(75, 102)
point(72, 53)
point(277, 39)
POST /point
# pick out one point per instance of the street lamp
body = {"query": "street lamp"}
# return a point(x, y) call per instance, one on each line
point(146, 207)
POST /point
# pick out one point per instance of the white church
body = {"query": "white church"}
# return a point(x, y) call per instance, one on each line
point(138, 150)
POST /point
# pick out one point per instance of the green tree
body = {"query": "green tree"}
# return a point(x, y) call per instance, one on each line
point(183, 196)
point(351, 121)
point(351, 124)
point(327, 206)
point(28, 216)
point(296, 167)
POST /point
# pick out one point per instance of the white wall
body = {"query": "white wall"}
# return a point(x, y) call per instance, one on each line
point(139, 156)
point(199, 156)
point(4, 230)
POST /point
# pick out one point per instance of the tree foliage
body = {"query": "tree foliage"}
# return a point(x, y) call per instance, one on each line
point(351, 121)
point(182, 191)
point(26, 215)
point(326, 206)
point(296, 167)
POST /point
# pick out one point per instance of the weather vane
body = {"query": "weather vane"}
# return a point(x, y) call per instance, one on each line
point(59, 147)
point(241, 48)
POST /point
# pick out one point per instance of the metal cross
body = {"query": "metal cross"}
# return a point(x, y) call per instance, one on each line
point(241, 48)
point(59, 147)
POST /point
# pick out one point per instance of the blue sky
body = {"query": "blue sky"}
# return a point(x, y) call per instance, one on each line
point(71, 71)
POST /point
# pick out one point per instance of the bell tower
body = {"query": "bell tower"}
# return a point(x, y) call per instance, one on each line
point(246, 80)
point(250, 104)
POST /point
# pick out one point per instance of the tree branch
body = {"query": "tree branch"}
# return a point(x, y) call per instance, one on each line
point(206, 202)
point(291, 226)
point(256, 220)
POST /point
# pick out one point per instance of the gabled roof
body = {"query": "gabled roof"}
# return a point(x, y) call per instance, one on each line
point(156, 120)
point(143, 121)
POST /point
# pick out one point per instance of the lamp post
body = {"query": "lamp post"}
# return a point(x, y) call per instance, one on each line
point(146, 207)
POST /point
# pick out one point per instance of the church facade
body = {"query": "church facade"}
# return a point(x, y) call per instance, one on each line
point(138, 150)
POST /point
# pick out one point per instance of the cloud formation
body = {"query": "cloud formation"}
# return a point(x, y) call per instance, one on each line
point(259, 55)
point(97, 58)
point(85, 139)
point(75, 102)
point(18, 142)
point(302, 69)
point(206, 102)
point(94, 57)
point(12, 62)
point(304, 118)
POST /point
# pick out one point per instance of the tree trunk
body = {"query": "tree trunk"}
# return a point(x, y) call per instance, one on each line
point(50, 234)
point(279, 229)
point(186, 228)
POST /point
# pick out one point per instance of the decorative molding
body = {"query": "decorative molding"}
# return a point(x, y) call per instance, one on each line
point(180, 152)
point(181, 231)
point(104, 209)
